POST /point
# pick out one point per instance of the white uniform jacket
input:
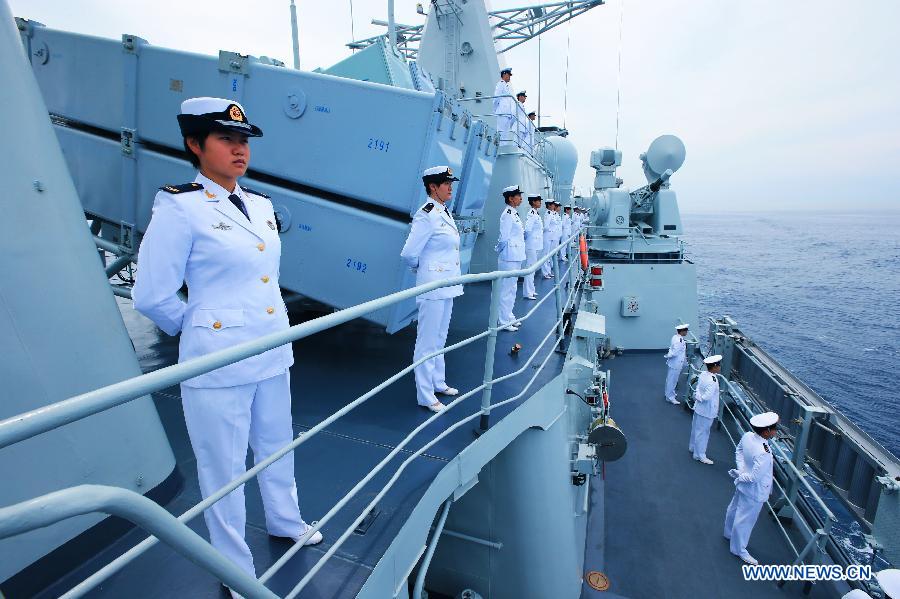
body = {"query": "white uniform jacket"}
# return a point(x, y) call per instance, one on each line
point(706, 395)
point(552, 229)
point(507, 104)
point(231, 267)
point(566, 226)
point(753, 457)
point(534, 231)
point(432, 249)
point(511, 244)
point(676, 354)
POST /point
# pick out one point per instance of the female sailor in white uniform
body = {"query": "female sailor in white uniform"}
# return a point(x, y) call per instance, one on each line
point(706, 408)
point(432, 251)
point(675, 361)
point(752, 482)
point(534, 243)
point(222, 240)
point(511, 253)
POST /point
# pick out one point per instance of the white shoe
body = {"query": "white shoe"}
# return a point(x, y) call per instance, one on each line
point(705, 460)
point(749, 559)
point(510, 327)
point(530, 297)
point(449, 391)
point(315, 539)
point(435, 407)
point(674, 402)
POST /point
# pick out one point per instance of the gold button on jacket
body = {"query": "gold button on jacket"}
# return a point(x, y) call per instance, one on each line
point(261, 246)
point(264, 279)
point(217, 325)
point(270, 310)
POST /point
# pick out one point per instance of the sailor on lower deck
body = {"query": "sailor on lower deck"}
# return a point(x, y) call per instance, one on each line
point(675, 358)
point(752, 481)
point(706, 408)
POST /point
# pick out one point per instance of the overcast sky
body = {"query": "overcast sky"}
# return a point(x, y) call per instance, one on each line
point(782, 104)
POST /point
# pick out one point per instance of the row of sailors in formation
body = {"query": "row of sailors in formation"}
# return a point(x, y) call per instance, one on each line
point(221, 239)
point(513, 123)
point(432, 252)
point(754, 464)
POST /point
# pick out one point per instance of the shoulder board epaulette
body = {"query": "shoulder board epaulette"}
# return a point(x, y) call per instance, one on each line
point(254, 192)
point(508, 211)
point(181, 188)
point(427, 207)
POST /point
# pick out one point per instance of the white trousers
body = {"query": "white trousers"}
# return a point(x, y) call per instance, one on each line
point(506, 125)
point(672, 381)
point(528, 281)
point(547, 267)
point(700, 427)
point(740, 518)
point(220, 423)
point(431, 335)
point(508, 291)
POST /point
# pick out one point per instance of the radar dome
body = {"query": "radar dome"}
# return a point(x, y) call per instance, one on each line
point(665, 153)
point(561, 158)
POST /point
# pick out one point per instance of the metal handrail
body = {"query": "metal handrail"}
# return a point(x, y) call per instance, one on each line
point(134, 507)
point(24, 426)
point(535, 142)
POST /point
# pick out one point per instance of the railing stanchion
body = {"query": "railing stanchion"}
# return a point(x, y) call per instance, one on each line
point(489, 355)
point(560, 303)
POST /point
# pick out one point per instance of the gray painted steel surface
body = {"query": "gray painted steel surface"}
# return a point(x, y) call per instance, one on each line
point(61, 332)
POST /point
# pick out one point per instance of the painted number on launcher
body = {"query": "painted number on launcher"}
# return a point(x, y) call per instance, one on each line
point(356, 265)
point(379, 145)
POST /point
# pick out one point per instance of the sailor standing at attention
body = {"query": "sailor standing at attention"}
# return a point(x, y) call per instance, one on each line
point(552, 232)
point(222, 240)
point(504, 106)
point(566, 230)
point(432, 252)
point(511, 249)
point(706, 408)
point(752, 482)
point(675, 361)
point(534, 243)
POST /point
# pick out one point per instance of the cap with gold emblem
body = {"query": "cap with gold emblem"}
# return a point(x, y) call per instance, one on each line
point(202, 115)
point(764, 420)
point(438, 174)
point(712, 360)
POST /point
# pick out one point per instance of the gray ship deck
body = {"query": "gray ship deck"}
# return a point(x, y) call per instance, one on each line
point(658, 536)
point(661, 514)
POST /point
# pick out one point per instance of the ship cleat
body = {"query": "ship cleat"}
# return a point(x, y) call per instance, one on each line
point(449, 391)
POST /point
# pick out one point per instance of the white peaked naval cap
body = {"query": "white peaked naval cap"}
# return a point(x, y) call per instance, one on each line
point(681, 327)
point(889, 581)
point(713, 359)
point(512, 189)
point(857, 594)
point(763, 420)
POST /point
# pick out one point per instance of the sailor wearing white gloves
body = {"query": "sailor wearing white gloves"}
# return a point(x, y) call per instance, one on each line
point(675, 358)
point(706, 408)
point(511, 252)
point(534, 243)
point(221, 238)
point(432, 252)
point(752, 481)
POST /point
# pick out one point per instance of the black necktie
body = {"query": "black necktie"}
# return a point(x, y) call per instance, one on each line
point(236, 200)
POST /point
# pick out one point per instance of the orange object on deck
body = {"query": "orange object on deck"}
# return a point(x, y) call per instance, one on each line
point(582, 246)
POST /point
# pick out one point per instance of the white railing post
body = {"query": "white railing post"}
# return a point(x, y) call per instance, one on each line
point(489, 355)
